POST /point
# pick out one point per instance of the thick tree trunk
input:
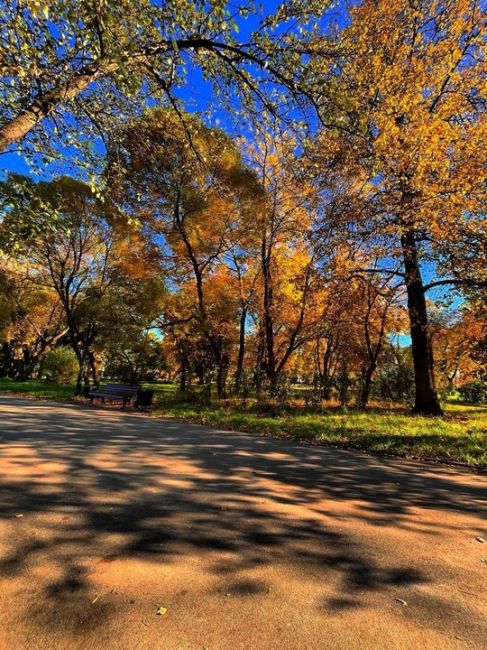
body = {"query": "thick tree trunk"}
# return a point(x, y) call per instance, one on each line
point(79, 382)
point(6, 359)
point(325, 386)
point(273, 377)
point(325, 377)
point(221, 377)
point(26, 365)
point(82, 377)
point(426, 398)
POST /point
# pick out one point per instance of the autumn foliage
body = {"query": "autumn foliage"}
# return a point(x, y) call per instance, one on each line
point(344, 253)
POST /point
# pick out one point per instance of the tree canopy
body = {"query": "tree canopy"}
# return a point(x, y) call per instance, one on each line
point(347, 253)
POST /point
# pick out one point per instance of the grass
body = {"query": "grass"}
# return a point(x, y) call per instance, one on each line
point(37, 388)
point(461, 436)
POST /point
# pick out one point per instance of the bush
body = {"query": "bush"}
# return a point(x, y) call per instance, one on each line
point(474, 391)
point(61, 365)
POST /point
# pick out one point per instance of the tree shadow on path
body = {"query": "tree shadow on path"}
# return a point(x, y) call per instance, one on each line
point(100, 486)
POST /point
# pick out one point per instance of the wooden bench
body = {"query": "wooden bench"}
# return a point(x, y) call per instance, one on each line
point(122, 392)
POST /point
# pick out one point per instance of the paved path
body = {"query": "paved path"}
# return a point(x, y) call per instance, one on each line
point(249, 543)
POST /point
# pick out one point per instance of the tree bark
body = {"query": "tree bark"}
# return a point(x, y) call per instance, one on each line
point(94, 369)
point(426, 397)
point(6, 359)
point(366, 385)
point(241, 352)
point(221, 377)
point(183, 375)
point(47, 102)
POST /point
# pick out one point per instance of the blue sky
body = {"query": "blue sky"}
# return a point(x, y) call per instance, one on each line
point(196, 94)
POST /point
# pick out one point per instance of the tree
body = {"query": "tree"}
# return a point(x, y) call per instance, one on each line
point(380, 315)
point(286, 278)
point(31, 322)
point(67, 62)
point(189, 192)
point(455, 340)
point(84, 262)
point(244, 265)
point(412, 128)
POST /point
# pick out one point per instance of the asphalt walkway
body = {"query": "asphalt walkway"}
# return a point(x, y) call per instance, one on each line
point(245, 542)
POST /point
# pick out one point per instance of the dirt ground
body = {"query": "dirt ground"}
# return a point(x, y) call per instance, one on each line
point(244, 542)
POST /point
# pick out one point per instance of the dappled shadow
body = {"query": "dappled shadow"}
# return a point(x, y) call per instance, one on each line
point(106, 487)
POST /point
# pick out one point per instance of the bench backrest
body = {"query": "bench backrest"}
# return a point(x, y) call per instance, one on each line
point(119, 389)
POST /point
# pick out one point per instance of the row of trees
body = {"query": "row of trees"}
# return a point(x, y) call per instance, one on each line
point(278, 248)
point(204, 260)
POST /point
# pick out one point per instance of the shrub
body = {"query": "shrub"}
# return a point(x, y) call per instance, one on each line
point(474, 391)
point(60, 365)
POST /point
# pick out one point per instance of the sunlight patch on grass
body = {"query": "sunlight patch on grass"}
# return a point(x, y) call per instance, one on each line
point(459, 437)
point(37, 388)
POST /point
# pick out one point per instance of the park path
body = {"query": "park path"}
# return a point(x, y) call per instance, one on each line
point(248, 542)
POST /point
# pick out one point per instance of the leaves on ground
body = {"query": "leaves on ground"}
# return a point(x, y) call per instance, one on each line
point(161, 610)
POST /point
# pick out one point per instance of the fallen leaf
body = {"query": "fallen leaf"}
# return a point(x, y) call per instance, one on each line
point(161, 611)
point(401, 601)
point(480, 539)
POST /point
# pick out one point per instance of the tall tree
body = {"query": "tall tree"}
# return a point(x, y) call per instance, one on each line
point(411, 98)
point(287, 255)
point(189, 192)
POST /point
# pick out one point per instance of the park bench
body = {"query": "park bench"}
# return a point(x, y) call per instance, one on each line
point(122, 392)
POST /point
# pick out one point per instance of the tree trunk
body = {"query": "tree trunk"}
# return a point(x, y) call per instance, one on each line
point(241, 352)
point(221, 377)
point(325, 376)
point(183, 375)
point(46, 103)
point(6, 359)
point(272, 376)
point(426, 398)
point(82, 378)
point(26, 365)
point(366, 385)
point(79, 382)
point(94, 369)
